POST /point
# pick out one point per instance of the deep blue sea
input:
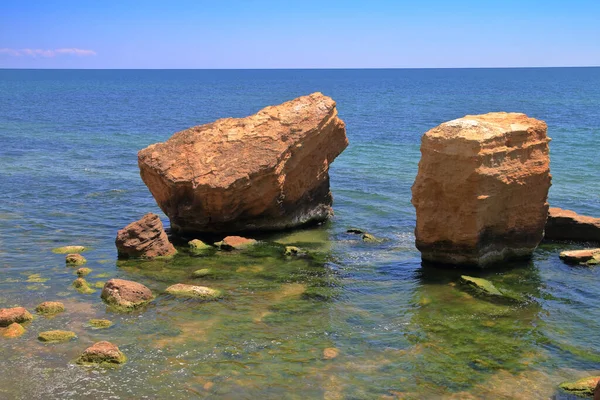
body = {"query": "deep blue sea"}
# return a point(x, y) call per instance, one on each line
point(68, 175)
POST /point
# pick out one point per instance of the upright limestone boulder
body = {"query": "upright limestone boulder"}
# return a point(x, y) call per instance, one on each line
point(144, 238)
point(268, 171)
point(480, 193)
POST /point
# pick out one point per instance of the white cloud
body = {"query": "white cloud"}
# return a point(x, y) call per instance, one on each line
point(47, 53)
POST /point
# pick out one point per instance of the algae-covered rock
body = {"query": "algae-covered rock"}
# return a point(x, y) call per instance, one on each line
point(584, 387)
point(50, 307)
point(102, 353)
point(68, 249)
point(201, 292)
point(126, 294)
point(594, 260)
point(56, 336)
point(235, 243)
point(481, 285)
point(579, 256)
point(212, 273)
point(198, 245)
point(100, 323)
point(292, 251)
point(75, 259)
point(14, 330)
point(81, 272)
point(82, 286)
point(368, 238)
point(15, 314)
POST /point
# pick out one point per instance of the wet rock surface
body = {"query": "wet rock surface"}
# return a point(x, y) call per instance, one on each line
point(480, 193)
point(125, 294)
point(235, 243)
point(56, 336)
point(14, 330)
point(268, 171)
point(68, 249)
point(144, 238)
point(102, 353)
point(15, 314)
point(50, 307)
point(584, 256)
point(75, 259)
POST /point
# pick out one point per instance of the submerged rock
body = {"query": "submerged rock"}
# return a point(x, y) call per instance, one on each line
point(269, 171)
point(355, 231)
point(144, 238)
point(201, 292)
point(568, 225)
point(81, 272)
point(368, 238)
point(50, 307)
point(198, 244)
point(100, 323)
point(584, 387)
point(330, 353)
point(235, 243)
point(480, 193)
point(75, 259)
point(481, 285)
point(125, 294)
point(292, 251)
point(56, 336)
point(14, 330)
point(15, 314)
point(82, 286)
point(68, 249)
point(581, 256)
point(102, 353)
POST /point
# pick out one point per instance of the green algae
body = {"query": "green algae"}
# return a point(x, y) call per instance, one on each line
point(582, 388)
point(36, 278)
point(56, 336)
point(199, 292)
point(75, 260)
point(82, 286)
point(69, 249)
point(481, 285)
point(50, 308)
point(81, 272)
point(100, 323)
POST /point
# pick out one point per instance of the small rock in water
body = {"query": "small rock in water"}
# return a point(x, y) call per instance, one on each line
point(56, 336)
point(367, 237)
point(50, 307)
point(583, 388)
point(82, 286)
point(235, 243)
point(201, 292)
point(201, 273)
point(292, 251)
point(81, 272)
point(355, 231)
point(15, 314)
point(100, 323)
point(125, 294)
point(14, 330)
point(144, 238)
point(102, 353)
point(75, 259)
point(330, 353)
point(68, 249)
point(481, 285)
point(198, 244)
point(580, 256)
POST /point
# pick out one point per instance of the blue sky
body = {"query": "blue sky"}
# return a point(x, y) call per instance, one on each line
point(298, 34)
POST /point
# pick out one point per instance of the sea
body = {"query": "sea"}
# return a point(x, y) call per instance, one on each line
point(351, 320)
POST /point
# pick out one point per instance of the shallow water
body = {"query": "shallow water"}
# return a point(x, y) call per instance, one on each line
point(403, 330)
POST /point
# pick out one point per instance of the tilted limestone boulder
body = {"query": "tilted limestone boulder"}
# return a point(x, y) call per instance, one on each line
point(480, 193)
point(568, 225)
point(144, 238)
point(268, 171)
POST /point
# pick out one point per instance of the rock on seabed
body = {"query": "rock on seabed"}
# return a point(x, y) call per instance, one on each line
point(268, 171)
point(125, 294)
point(102, 353)
point(480, 193)
point(144, 238)
point(15, 314)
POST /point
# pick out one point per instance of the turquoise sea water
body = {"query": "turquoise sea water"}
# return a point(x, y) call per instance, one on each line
point(69, 175)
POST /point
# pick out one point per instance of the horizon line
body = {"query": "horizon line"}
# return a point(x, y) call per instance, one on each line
point(292, 69)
